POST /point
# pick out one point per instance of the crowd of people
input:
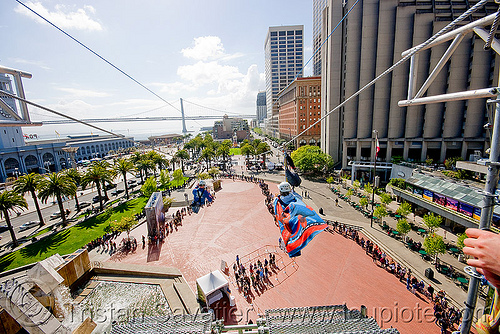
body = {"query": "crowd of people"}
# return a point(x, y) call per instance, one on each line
point(446, 316)
point(170, 225)
point(256, 276)
point(104, 243)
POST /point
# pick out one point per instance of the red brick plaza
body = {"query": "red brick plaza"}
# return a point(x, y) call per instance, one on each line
point(331, 270)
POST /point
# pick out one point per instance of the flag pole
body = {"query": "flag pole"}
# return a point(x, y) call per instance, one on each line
point(376, 147)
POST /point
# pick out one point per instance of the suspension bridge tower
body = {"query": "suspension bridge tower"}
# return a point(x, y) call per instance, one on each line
point(184, 130)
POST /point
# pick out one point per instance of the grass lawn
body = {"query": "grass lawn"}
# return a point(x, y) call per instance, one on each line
point(69, 240)
point(235, 151)
point(178, 183)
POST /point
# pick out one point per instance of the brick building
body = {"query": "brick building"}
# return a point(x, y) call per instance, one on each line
point(299, 107)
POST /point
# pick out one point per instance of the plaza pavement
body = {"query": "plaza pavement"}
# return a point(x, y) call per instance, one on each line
point(331, 270)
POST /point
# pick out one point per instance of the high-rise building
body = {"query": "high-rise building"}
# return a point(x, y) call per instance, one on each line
point(365, 45)
point(299, 108)
point(261, 107)
point(284, 59)
point(318, 7)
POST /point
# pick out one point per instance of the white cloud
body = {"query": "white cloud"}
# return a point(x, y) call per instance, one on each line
point(30, 62)
point(83, 93)
point(208, 48)
point(63, 16)
point(205, 48)
point(203, 73)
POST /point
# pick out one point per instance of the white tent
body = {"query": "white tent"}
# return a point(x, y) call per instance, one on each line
point(212, 286)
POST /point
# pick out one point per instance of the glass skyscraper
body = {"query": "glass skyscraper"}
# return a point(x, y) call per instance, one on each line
point(284, 59)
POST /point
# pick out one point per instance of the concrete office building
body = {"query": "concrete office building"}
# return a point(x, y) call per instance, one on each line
point(261, 108)
point(299, 107)
point(318, 7)
point(365, 45)
point(284, 59)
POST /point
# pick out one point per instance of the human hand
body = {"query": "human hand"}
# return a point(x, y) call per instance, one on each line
point(485, 247)
point(492, 278)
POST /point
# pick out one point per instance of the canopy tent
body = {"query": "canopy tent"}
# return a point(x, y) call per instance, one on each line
point(212, 286)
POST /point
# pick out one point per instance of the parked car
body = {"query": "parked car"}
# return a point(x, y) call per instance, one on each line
point(131, 182)
point(55, 215)
point(116, 192)
point(110, 186)
point(83, 204)
point(3, 228)
point(29, 225)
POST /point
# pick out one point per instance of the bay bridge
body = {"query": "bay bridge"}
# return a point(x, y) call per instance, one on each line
point(196, 112)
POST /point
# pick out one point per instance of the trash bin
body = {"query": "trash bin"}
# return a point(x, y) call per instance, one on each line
point(429, 273)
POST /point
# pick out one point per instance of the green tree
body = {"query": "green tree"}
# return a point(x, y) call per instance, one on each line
point(29, 183)
point(126, 224)
point(404, 209)
point(164, 179)
point(432, 221)
point(434, 245)
point(124, 166)
point(223, 151)
point(380, 212)
point(356, 185)
point(311, 159)
point(263, 149)
point(75, 175)
point(451, 163)
point(57, 185)
point(248, 150)
point(330, 180)
point(403, 227)
point(398, 183)
point(385, 198)
point(368, 189)
point(94, 175)
point(203, 176)
point(108, 175)
point(178, 177)
point(349, 193)
point(460, 240)
point(10, 201)
point(182, 155)
point(363, 201)
point(149, 187)
point(207, 154)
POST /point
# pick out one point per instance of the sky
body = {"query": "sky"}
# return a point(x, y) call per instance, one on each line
point(209, 52)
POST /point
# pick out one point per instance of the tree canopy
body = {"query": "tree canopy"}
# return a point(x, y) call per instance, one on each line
point(311, 159)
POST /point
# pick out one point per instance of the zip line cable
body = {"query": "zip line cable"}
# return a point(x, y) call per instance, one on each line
point(98, 55)
point(390, 69)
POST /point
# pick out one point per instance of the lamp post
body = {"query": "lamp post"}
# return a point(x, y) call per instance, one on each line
point(374, 173)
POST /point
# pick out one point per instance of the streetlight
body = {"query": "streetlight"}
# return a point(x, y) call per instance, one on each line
point(374, 173)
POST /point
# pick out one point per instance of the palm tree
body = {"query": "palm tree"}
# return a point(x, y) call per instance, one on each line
point(29, 183)
point(58, 185)
point(182, 155)
point(223, 151)
point(75, 175)
point(94, 175)
point(207, 154)
point(9, 201)
point(108, 175)
point(124, 166)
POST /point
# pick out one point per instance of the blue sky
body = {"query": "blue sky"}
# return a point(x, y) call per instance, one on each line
point(207, 52)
